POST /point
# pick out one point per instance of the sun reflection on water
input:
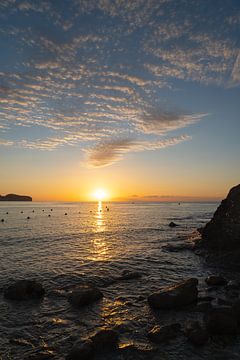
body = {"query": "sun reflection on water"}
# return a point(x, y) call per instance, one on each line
point(99, 250)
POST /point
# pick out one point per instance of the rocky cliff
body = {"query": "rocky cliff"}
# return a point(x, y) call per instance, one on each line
point(223, 231)
point(14, 197)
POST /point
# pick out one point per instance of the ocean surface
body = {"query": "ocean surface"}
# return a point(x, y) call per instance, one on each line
point(85, 242)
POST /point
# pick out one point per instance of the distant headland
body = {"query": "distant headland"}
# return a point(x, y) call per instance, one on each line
point(14, 197)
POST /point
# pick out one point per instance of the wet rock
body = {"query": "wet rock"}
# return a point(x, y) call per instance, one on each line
point(42, 355)
point(24, 290)
point(159, 334)
point(203, 307)
point(172, 224)
point(223, 231)
point(134, 352)
point(129, 275)
point(221, 321)
point(180, 294)
point(105, 339)
point(84, 294)
point(215, 280)
point(232, 285)
point(236, 310)
point(196, 334)
point(81, 351)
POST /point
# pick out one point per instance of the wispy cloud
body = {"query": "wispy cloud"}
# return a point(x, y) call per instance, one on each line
point(107, 153)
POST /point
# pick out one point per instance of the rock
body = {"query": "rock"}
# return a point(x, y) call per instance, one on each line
point(24, 290)
point(221, 321)
point(196, 334)
point(232, 285)
point(129, 275)
point(172, 224)
point(215, 280)
point(203, 307)
point(42, 355)
point(180, 294)
point(236, 310)
point(84, 294)
point(159, 334)
point(105, 339)
point(81, 351)
point(223, 231)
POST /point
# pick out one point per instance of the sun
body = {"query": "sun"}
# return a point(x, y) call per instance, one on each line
point(100, 194)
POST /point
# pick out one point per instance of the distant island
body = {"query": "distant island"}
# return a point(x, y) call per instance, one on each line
point(14, 197)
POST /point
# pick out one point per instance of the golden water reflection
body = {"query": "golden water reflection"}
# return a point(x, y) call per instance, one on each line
point(99, 250)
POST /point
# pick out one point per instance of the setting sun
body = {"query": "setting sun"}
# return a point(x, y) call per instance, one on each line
point(100, 194)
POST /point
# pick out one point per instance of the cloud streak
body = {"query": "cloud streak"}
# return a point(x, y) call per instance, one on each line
point(107, 153)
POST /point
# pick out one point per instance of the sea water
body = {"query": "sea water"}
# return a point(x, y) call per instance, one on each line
point(65, 244)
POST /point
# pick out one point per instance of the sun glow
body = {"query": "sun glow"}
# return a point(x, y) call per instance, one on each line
point(100, 194)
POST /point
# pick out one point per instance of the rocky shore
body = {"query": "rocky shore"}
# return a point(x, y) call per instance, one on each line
point(14, 197)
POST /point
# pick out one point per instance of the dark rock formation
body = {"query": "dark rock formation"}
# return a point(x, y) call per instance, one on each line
point(172, 224)
point(159, 334)
point(223, 231)
point(215, 280)
point(180, 294)
point(14, 197)
point(222, 321)
point(196, 334)
point(105, 339)
point(84, 294)
point(24, 290)
point(82, 350)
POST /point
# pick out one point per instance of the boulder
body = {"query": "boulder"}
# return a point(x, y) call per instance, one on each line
point(223, 231)
point(81, 351)
point(177, 295)
point(196, 334)
point(159, 334)
point(105, 339)
point(221, 321)
point(215, 280)
point(24, 290)
point(84, 295)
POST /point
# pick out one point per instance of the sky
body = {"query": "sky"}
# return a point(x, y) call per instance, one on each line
point(139, 98)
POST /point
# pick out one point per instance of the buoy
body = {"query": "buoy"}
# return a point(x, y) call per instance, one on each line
point(42, 209)
point(2, 220)
point(65, 213)
point(21, 212)
point(28, 217)
point(33, 211)
point(107, 209)
point(49, 215)
point(51, 209)
point(7, 213)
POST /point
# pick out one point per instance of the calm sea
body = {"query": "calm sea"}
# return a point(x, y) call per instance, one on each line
point(63, 244)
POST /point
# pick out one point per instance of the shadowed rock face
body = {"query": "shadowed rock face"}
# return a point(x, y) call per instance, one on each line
point(223, 231)
point(14, 197)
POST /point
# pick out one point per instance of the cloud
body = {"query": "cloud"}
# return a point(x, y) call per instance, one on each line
point(235, 78)
point(159, 121)
point(107, 153)
point(6, 143)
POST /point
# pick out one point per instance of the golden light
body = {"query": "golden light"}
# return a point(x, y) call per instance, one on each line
point(100, 194)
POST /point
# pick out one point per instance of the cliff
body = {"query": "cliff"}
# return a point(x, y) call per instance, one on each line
point(14, 197)
point(223, 231)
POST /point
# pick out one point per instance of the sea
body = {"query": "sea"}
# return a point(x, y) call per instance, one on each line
point(65, 244)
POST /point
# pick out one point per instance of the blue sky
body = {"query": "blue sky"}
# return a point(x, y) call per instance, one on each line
point(122, 84)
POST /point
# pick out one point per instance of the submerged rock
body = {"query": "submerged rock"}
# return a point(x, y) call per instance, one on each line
point(172, 224)
point(223, 231)
point(196, 334)
point(180, 294)
point(84, 294)
point(129, 275)
point(24, 290)
point(105, 339)
point(81, 351)
point(222, 321)
point(159, 334)
point(215, 280)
